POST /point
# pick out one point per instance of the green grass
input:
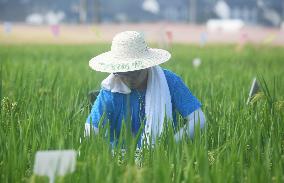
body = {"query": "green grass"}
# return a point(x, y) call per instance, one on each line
point(44, 106)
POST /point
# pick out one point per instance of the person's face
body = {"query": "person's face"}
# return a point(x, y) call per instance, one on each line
point(133, 79)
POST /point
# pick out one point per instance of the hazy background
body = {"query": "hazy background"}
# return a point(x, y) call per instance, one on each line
point(178, 21)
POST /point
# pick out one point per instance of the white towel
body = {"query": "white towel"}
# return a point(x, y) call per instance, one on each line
point(114, 84)
point(158, 106)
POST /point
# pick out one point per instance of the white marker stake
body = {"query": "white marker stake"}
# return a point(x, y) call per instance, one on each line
point(203, 39)
point(253, 90)
point(7, 27)
point(196, 62)
point(52, 163)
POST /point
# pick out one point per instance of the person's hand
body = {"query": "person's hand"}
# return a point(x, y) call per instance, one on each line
point(195, 118)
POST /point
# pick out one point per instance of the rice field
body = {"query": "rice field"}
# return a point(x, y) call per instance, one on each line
point(44, 105)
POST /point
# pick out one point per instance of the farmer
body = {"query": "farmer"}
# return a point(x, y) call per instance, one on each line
point(139, 88)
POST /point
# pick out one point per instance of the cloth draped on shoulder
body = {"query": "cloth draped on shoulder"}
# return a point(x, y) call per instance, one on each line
point(158, 106)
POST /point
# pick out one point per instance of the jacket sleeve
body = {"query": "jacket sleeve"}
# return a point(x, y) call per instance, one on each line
point(182, 98)
point(101, 113)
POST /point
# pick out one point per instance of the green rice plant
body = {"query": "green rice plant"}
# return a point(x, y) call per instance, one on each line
point(44, 105)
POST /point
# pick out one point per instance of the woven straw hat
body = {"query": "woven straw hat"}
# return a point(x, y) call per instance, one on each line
point(129, 52)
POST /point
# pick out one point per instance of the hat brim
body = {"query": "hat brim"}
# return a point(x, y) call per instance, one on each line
point(107, 62)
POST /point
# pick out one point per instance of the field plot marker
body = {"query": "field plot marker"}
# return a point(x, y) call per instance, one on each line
point(196, 62)
point(52, 163)
point(203, 39)
point(7, 27)
point(55, 30)
point(253, 90)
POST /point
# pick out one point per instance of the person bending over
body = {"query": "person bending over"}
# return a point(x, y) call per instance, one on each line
point(138, 87)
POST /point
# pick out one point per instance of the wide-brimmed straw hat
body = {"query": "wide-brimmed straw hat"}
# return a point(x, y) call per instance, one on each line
point(129, 52)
